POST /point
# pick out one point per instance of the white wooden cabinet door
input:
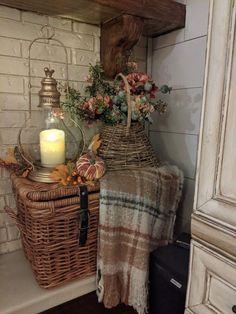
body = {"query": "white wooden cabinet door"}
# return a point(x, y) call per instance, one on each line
point(212, 278)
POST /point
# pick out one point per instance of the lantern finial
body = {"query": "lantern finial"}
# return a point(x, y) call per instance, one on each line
point(49, 96)
point(48, 72)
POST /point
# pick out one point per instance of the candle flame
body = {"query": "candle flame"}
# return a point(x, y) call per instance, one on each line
point(52, 137)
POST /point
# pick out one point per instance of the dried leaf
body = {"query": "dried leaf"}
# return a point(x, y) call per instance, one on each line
point(90, 183)
point(64, 182)
point(11, 166)
point(95, 143)
point(65, 174)
point(10, 156)
point(63, 171)
point(71, 168)
point(25, 173)
point(60, 174)
point(96, 146)
point(96, 137)
point(55, 176)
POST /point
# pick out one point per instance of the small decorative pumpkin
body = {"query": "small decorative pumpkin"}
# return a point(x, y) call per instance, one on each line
point(90, 166)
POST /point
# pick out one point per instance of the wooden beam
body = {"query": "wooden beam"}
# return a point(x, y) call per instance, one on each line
point(82, 10)
point(159, 10)
point(160, 16)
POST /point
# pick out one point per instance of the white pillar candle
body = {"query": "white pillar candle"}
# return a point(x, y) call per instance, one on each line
point(52, 147)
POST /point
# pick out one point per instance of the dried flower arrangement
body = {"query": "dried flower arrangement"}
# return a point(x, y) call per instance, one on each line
point(107, 101)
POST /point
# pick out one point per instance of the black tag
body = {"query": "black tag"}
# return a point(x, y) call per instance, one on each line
point(83, 214)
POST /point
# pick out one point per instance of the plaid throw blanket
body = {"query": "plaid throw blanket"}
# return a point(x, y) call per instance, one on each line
point(137, 214)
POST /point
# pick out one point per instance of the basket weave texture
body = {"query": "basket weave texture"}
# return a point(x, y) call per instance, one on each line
point(48, 219)
point(122, 151)
point(126, 146)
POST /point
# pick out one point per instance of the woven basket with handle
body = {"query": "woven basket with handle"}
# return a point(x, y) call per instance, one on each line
point(126, 146)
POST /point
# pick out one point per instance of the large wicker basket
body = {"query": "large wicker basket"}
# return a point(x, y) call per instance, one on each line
point(48, 217)
point(126, 146)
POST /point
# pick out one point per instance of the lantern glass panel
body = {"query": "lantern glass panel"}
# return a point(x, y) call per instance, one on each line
point(50, 139)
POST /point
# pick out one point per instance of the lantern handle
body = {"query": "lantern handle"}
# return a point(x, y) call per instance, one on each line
point(48, 27)
point(82, 132)
point(19, 145)
point(49, 37)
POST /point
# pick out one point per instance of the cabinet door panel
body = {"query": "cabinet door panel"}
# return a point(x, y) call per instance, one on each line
point(212, 282)
point(221, 294)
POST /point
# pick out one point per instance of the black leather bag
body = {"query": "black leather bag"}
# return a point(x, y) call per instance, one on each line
point(168, 277)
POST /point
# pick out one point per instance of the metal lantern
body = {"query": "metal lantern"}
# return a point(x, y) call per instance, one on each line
point(50, 139)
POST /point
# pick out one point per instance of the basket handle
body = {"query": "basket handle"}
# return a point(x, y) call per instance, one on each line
point(127, 87)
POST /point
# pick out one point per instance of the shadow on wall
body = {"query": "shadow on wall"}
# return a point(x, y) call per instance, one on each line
point(175, 139)
point(183, 112)
point(185, 208)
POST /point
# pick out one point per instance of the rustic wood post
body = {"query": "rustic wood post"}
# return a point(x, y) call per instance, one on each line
point(118, 36)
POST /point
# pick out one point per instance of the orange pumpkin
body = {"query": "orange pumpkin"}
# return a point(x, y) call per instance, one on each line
point(90, 166)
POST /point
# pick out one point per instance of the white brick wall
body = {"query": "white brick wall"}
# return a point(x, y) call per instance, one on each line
point(17, 29)
point(179, 60)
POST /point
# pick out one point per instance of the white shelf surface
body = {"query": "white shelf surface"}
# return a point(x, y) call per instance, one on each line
point(20, 293)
